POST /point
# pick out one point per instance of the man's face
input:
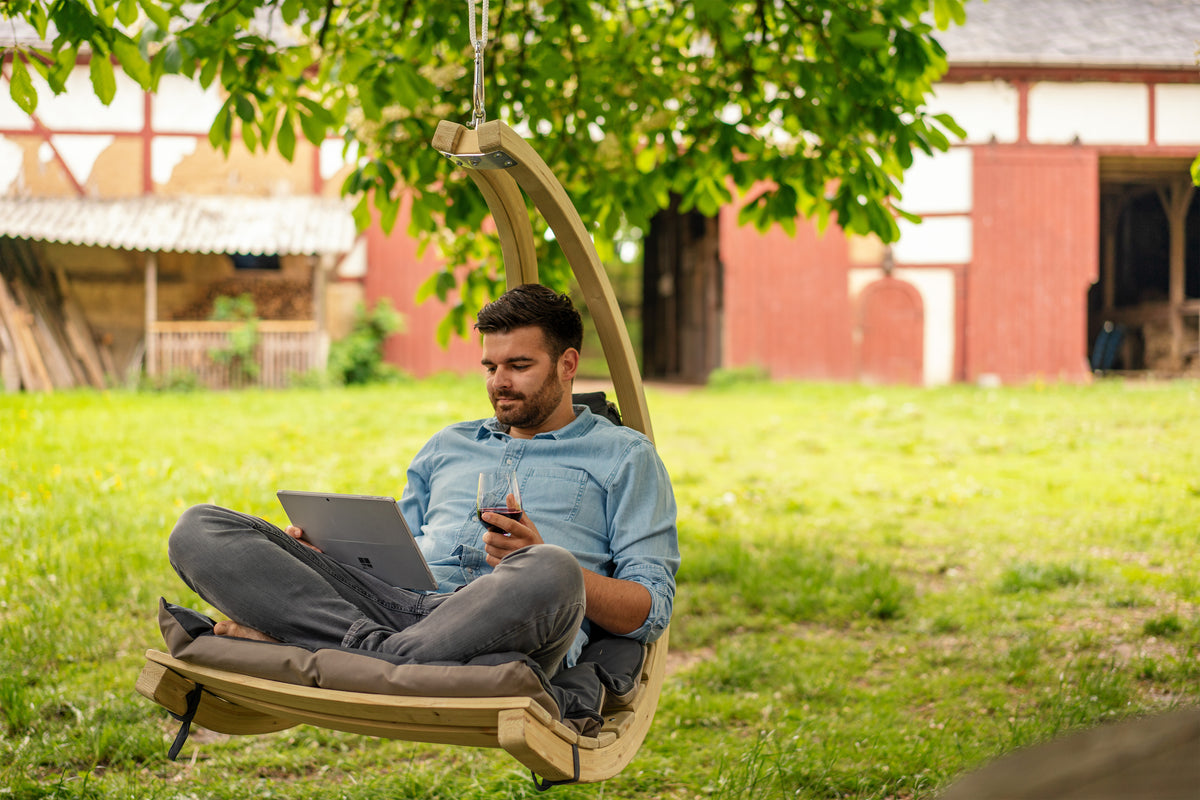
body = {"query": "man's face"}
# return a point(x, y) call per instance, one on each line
point(523, 383)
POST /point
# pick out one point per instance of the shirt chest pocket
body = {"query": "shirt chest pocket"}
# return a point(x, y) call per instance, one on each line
point(552, 493)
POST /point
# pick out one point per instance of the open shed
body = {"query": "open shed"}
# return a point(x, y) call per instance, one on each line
point(135, 280)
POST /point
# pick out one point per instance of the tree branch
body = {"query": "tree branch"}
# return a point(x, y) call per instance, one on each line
point(230, 7)
point(329, 7)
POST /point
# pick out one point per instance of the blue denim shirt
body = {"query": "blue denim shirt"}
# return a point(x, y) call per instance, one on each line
point(597, 489)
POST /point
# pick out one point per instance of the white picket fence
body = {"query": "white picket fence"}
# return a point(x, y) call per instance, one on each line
point(284, 348)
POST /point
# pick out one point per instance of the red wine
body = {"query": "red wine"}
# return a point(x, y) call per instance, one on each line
point(511, 513)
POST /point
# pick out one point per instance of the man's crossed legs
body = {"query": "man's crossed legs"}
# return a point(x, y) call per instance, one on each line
point(268, 582)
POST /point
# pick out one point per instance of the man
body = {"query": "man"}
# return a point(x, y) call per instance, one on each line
point(597, 544)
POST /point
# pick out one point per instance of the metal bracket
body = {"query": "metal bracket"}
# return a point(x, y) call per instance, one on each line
point(495, 160)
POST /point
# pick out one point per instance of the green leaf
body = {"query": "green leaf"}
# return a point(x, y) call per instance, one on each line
point(426, 289)
point(244, 108)
point(362, 212)
point(40, 65)
point(291, 10)
point(1196, 171)
point(317, 110)
point(285, 139)
point(869, 39)
point(21, 86)
point(219, 132)
point(62, 68)
point(172, 57)
point(389, 209)
point(38, 19)
point(454, 322)
point(107, 14)
point(646, 160)
point(941, 14)
point(445, 284)
point(946, 10)
point(407, 88)
point(208, 71)
point(127, 12)
point(946, 121)
point(74, 22)
point(187, 58)
point(266, 124)
point(249, 136)
point(104, 81)
point(131, 60)
point(444, 329)
point(750, 214)
point(313, 128)
point(421, 218)
point(157, 14)
point(788, 224)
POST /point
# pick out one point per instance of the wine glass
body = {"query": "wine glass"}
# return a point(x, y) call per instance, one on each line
point(498, 493)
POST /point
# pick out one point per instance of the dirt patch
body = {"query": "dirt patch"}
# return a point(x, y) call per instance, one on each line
point(678, 661)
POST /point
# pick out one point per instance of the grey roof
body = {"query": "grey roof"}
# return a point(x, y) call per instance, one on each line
point(1094, 33)
point(196, 224)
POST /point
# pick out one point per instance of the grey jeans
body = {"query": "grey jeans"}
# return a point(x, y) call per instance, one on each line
point(532, 603)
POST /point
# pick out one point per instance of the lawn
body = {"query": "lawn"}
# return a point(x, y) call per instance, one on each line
point(881, 589)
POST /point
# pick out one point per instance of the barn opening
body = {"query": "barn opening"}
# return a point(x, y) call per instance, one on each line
point(1144, 311)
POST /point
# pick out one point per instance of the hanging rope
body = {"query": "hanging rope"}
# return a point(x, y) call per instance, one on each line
point(477, 43)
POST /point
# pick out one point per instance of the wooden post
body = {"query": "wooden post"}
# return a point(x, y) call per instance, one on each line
point(151, 313)
point(1176, 199)
point(1110, 216)
point(322, 266)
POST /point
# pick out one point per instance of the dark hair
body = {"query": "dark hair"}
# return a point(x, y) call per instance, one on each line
point(532, 304)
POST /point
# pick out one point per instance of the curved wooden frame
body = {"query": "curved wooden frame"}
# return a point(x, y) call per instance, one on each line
point(500, 161)
point(501, 164)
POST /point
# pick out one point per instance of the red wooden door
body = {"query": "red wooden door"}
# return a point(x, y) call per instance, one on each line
point(891, 333)
point(1036, 252)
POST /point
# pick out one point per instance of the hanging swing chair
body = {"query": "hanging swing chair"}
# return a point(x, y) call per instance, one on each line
point(239, 686)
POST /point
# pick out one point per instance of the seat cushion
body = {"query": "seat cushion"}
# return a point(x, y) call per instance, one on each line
point(189, 637)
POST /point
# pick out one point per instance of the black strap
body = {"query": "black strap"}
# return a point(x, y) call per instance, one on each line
point(545, 785)
point(185, 727)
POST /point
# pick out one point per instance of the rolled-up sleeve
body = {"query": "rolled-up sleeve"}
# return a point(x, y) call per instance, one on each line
point(644, 537)
point(415, 498)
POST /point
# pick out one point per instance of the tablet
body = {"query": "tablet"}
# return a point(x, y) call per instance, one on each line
point(362, 531)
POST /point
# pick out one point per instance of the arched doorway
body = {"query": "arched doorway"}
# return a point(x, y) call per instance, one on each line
point(891, 333)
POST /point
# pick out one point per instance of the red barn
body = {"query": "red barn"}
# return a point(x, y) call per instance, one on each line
point(1062, 227)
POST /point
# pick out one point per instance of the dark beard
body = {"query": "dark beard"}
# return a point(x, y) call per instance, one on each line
point(532, 411)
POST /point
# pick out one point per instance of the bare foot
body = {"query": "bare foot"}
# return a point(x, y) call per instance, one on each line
point(228, 627)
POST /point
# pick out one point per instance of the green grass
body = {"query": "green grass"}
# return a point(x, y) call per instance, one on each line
point(881, 589)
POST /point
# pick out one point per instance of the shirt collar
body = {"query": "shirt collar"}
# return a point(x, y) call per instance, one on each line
point(583, 422)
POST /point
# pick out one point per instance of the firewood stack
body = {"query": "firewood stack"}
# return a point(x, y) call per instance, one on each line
point(45, 340)
point(274, 298)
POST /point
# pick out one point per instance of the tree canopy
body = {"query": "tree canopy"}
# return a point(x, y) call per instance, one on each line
point(813, 107)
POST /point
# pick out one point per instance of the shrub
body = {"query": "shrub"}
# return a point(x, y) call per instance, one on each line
point(358, 357)
point(243, 340)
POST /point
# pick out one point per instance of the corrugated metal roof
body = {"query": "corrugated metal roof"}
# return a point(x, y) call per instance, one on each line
point(1095, 33)
point(188, 224)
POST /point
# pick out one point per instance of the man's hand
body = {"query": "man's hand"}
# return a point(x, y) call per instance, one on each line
point(298, 535)
point(619, 606)
point(512, 536)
